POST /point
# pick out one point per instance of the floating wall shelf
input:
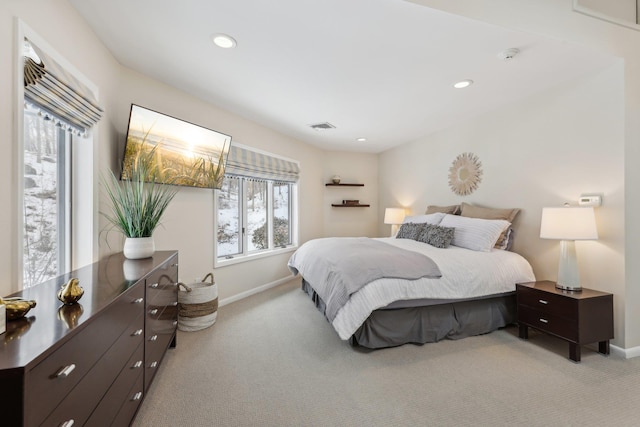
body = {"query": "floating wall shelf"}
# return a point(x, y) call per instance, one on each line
point(331, 184)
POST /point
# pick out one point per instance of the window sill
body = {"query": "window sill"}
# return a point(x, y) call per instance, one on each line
point(238, 259)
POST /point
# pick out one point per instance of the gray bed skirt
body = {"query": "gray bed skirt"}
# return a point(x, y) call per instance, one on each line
point(431, 323)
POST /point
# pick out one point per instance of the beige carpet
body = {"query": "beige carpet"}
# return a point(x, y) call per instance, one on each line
point(273, 360)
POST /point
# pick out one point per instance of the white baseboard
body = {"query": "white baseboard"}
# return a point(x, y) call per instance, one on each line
point(626, 353)
point(254, 291)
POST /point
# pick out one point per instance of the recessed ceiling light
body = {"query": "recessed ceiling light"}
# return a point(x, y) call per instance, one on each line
point(361, 139)
point(224, 41)
point(462, 84)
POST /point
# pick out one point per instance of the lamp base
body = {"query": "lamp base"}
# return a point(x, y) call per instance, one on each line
point(568, 276)
point(569, 288)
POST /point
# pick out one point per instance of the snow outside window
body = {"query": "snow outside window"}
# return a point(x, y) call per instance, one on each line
point(253, 217)
point(45, 199)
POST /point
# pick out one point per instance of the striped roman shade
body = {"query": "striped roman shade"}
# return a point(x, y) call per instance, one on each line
point(247, 163)
point(58, 94)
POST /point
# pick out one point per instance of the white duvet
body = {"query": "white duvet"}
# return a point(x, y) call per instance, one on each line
point(465, 274)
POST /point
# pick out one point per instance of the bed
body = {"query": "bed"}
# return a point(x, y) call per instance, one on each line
point(473, 294)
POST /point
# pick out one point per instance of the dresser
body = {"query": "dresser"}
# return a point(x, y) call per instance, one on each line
point(90, 363)
point(577, 317)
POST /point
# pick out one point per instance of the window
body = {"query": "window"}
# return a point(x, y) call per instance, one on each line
point(255, 211)
point(254, 216)
point(56, 222)
point(46, 198)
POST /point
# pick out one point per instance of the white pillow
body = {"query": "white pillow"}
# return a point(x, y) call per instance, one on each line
point(475, 233)
point(433, 218)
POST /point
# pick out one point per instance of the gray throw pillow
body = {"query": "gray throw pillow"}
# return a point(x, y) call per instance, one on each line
point(410, 230)
point(437, 236)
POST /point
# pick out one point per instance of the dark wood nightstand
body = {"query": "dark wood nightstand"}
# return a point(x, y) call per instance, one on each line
point(578, 317)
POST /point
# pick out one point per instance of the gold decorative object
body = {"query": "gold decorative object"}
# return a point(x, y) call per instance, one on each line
point(17, 307)
point(465, 174)
point(70, 292)
point(70, 313)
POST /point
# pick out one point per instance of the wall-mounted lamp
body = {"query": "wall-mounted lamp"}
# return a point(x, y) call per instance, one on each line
point(393, 216)
point(568, 224)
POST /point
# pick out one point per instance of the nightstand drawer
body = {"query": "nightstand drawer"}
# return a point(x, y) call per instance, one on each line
point(547, 302)
point(551, 323)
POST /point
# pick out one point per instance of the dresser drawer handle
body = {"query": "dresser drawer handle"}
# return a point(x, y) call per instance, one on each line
point(64, 372)
point(174, 265)
point(155, 285)
point(67, 423)
point(137, 396)
point(153, 364)
point(137, 333)
point(153, 337)
point(153, 312)
point(174, 304)
point(137, 301)
point(137, 364)
point(541, 301)
point(544, 320)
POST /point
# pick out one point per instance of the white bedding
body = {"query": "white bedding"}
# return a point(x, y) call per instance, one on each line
point(465, 274)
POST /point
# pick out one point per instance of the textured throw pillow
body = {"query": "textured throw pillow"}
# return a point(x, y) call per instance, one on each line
point(437, 236)
point(475, 233)
point(453, 209)
point(409, 231)
point(490, 213)
point(433, 218)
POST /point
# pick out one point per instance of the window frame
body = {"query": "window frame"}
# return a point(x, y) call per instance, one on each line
point(83, 214)
point(245, 254)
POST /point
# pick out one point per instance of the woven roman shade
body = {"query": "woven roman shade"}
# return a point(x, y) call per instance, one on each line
point(58, 94)
point(252, 164)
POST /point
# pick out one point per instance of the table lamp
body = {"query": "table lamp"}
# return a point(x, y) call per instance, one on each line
point(393, 216)
point(568, 224)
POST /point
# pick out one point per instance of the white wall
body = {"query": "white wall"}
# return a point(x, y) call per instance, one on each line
point(356, 168)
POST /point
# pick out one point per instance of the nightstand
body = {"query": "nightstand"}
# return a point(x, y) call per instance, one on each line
point(577, 317)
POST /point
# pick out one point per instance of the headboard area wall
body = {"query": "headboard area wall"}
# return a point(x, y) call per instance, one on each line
point(545, 150)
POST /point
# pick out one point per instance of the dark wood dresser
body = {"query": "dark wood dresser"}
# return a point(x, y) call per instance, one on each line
point(578, 317)
point(90, 363)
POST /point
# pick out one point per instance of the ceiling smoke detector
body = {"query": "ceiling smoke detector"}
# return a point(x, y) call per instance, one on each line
point(509, 54)
point(322, 126)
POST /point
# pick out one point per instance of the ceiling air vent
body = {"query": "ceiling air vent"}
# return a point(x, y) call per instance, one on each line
point(322, 126)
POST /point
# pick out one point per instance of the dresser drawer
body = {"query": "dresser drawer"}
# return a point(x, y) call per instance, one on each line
point(553, 324)
point(51, 380)
point(548, 303)
point(162, 286)
point(130, 405)
point(118, 393)
point(79, 403)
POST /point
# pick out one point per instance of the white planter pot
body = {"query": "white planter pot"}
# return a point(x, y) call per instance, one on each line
point(139, 247)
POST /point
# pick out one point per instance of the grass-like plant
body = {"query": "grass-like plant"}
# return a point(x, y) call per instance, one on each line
point(138, 203)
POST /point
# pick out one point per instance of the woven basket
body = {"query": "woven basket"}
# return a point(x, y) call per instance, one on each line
point(197, 304)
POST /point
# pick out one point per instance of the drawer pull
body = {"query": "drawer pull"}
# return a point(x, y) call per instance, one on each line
point(175, 323)
point(174, 265)
point(137, 333)
point(137, 364)
point(137, 396)
point(67, 423)
point(153, 312)
point(153, 364)
point(137, 301)
point(153, 337)
point(544, 320)
point(174, 304)
point(155, 285)
point(64, 372)
point(541, 301)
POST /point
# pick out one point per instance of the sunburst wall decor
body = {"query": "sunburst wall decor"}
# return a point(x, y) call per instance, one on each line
point(465, 174)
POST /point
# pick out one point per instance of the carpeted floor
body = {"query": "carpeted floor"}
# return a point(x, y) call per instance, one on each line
point(273, 360)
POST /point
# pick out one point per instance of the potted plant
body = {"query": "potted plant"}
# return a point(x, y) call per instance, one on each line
point(137, 204)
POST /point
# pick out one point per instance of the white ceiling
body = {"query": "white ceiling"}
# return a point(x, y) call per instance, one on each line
point(380, 69)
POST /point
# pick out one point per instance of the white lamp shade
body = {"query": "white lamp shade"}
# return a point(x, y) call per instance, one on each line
point(568, 223)
point(393, 215)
